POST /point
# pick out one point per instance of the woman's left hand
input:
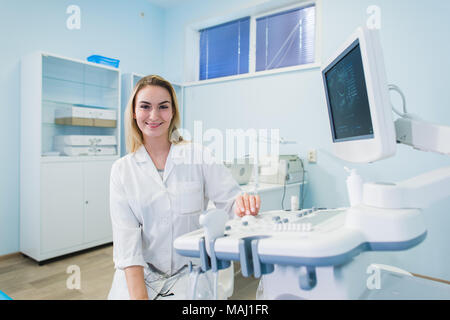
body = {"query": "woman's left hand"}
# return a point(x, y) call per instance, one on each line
point(247, 205)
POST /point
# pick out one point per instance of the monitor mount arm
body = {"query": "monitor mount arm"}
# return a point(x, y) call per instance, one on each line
point(423, 190)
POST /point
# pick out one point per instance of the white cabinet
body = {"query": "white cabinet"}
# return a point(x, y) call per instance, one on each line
point(97, 224)
point(74, 105)
point(74, 204)
point(62, 206)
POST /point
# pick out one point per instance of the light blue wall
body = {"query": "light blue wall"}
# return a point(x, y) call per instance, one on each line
point(110, 28)
point(416, 53)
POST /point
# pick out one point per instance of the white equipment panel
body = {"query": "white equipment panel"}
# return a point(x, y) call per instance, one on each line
point(307, 247)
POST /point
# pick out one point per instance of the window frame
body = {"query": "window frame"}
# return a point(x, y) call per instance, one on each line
point(192, 37)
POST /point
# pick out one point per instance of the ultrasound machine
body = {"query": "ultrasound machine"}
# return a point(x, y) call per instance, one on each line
point(322, 253)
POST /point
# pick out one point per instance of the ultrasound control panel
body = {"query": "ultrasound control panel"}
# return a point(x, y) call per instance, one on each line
point(306, 220)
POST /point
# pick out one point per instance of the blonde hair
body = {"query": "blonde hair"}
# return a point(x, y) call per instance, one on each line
point(133, 135)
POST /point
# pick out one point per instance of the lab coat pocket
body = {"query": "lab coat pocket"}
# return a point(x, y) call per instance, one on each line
point(190, 195)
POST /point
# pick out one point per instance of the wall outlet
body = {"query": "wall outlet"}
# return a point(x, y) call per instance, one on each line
point(312, 156)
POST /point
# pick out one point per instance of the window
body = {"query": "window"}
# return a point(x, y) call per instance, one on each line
point(285, 39)
point(280, 39)
point(224, 49)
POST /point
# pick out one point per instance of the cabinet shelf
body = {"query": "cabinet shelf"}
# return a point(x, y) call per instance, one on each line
point(86, 122)
point(86, 84)
point(50, 125)
point(47, 159)
point(46, 103)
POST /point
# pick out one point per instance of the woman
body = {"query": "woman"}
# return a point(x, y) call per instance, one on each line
point(157, 192)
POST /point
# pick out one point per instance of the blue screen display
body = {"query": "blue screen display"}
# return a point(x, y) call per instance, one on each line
point(347, 97)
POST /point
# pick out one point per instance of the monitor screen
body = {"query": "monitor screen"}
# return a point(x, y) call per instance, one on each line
point(348, 102)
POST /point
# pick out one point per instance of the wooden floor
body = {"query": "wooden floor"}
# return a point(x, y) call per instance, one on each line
point(22, 278)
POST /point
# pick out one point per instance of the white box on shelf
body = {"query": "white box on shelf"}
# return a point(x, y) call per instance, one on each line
point(85, 140)
point(72, 112)
point(85, 112)
point(104, 114)
point(86, 150)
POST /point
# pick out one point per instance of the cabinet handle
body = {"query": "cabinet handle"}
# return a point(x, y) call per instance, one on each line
point(87, 202)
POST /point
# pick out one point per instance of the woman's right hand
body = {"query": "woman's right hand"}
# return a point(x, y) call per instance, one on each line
point(247, 205)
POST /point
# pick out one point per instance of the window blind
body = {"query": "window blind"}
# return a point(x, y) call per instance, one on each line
point(224, 49)
point(285, 39)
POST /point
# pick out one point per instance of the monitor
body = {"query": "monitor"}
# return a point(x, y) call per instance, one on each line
point(357, 96)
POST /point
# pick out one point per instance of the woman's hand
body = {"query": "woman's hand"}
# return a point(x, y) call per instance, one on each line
point(247, 205)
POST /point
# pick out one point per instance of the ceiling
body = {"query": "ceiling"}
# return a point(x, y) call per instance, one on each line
point(167, 3)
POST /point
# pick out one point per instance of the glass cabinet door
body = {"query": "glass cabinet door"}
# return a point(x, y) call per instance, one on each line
point(80, 105)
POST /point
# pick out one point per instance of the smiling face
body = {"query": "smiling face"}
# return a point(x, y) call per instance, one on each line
point(153, 111)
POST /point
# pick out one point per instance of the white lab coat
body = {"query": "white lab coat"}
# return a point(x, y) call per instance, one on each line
point(148, 212)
